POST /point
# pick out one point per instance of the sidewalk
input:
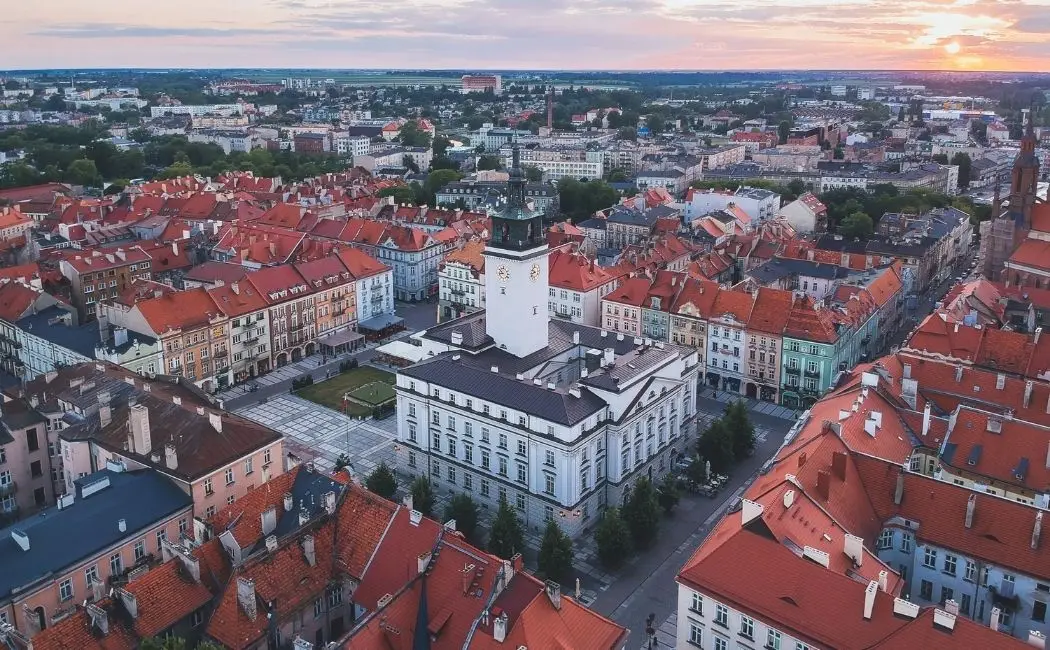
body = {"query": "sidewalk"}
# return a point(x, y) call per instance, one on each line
point(758, 406)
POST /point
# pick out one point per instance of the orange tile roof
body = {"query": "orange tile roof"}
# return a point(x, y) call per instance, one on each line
point(771, 311)
point(360, 264)
point(738, 304)
point(470, 255)
point(243, 517)
point(165, 596)
point(1034, 253)
point(362, 521)
point(576, 272)
point(77, 633)
point(998, 454)
point(182, 310)
point(16, 299)
point(810, 323)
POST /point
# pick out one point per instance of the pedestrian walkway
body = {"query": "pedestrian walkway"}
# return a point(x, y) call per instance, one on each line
point(758, 406)
point(666, 634)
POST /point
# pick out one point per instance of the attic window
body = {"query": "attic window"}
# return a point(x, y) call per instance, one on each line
point(789, 600)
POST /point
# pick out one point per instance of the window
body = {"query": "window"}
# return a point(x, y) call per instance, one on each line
point(520, 501)
point(31, 439)
point(140, 549)
point(502, 466)
point(229, 476)
point(964, 607)
point(36, 469)
point(209, 512)
point(946, 594)
point(926, 590)
point(266, 457)
point(485, 458)
point(451, 474)
point(65, 590)
point(208, 491)
point(721, 644)
point(198, 618)
point(230, 499)
point(696, 635)
point(335, 596)
point(886, 539)
point(248, 466)
point(773, 640)
point(747, 627)
point(91, 575)
point(468, 482)
point(521, 448)
point(411, 459)
point(949, 564)
point(436, 441)
point(1039, 611)
point(484, 487)
point(485, 434)
point(468, 453)
point(184, 525)
point(550, 458)
point(468, 429)
point(411, 432)
point(452, 422)
point(502, 441)
point(162, 535)
point(522, 474)
point(929, 558)
point(548, 484)
point(906, 542)
point(116, 564)
point(451, 447)
point(722, 615)
point(697, 604)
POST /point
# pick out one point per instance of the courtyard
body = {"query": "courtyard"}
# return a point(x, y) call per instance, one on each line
point(368, 387)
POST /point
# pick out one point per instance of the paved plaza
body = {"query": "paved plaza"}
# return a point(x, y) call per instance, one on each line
point(320, 434)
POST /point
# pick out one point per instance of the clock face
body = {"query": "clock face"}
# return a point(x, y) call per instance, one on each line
point(534, 272)
point(503, 274)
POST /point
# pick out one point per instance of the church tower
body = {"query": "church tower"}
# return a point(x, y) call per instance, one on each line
point(516, 269)
point(1025, 178)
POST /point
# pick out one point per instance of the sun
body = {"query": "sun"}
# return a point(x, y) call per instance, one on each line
point(952, 48)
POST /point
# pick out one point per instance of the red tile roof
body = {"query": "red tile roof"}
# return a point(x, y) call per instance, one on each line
point(576, 272)
point(771, 311)
point(165, 596)
point(1033, 253)
point(16, 299)
point(182, 310)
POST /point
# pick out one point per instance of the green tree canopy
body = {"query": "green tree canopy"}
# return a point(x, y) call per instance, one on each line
point(668, 494)
point(402, 194)
point(411, 136)
point(383, 482)
point(738, 421)
point(556, 556)
point(857, 226)
point(716, 446)
point(463, 509)
point(962, 160)
point(422, 495)
point(83, 172)
point(642, 513)
point(613, 539)
point(506, 537)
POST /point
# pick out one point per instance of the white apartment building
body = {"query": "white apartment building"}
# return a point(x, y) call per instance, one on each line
point(759, 204)
point(199, 109)
point(558, 163)
point(345, 144)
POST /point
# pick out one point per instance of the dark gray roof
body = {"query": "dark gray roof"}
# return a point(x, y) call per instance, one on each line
point(620, 214)
point(47, 325)
point(62, 538)
point(662, 211)
point(593, 223)
point(18, 415)
point(628, 366)
point(471, 327)
point(518, 395)
point(778, 268)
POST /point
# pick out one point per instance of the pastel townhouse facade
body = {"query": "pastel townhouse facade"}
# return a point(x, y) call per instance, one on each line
point(373, 286)
point(27, 464)
point(248, 315)
point(461, 282)
point(335, 297)
point(103, 274)
point(812, 353)
point(764, 343)
point(577, 287)
point(291, 312)
point(622, 308)
point(726, 341)
point(690, 313)
point(53, 564)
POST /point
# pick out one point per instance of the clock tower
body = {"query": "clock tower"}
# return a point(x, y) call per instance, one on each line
point(516, 268)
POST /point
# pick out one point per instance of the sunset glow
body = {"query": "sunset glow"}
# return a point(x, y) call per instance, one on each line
point(683, 34)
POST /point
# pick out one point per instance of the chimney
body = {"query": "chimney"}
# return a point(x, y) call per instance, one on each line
point(554, 593)
point(1036, 639)
point(289, 502)
point(958, 374)
point(824, 484)
point(105, 413)
point(869, 599)
point(1000, 381)
point(1037, 529)
point(970, 503)
point(1038, 333)
point(499, 627)
point(883, 584)
point(951, 607)
point(171, 459)
point(926, 419)
point(423, 561)
point(138, 423)
point(749, 511)
point(130, 602)
point(853, 547)
point(269, 520)
point(898, 492)
point(20, 538)
point(215, 420)
point(99, 618)
point(235, 288)
point(308, 550)
point(576, 338)
point(838, 465)
point(329, 502)
point(944, 619)
point(1027, 393)
point(246, 597)
point(993, 621)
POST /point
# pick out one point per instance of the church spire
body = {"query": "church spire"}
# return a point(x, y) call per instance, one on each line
point(1025, 179)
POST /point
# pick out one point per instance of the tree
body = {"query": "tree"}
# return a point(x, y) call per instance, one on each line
point(667, 493)
point(697, 470)
point(342, 462)
point(738, 422)
point(796, 187)
point(411, 136)
point(437, 179)
point(533, 174)
point(613, 539)
point(642, 513)
point(463, 509)
point(962, 160)
point(163, 643)
point(716, 445)
point(627, 133)
point(555, 557)
point(55, 103)
point(783, 131)
point(383, 482)
point(409, 163)
point(422, 495)
point(490, 162)
point(506, 537)
point(441, 145)
point(857, 225)
point(617, 176)
point(83, 172)
point(402, 194)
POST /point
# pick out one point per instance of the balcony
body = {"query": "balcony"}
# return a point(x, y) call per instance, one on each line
point(791, 370)
point(812, 373)
point(8, 489)
point(220, 354)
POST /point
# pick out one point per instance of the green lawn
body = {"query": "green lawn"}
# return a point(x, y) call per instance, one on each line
point(330, 392)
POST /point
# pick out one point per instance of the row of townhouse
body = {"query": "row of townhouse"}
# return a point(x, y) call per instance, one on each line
point(919, 482)
point(274, 316)
point(313, 561)
point(765, 343)
point(99, 468)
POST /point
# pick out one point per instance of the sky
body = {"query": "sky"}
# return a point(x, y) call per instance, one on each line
point(528, 34)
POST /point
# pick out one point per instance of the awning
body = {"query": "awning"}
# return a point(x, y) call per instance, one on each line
point(380, 322)
point(340, 338)
point(403, 350)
